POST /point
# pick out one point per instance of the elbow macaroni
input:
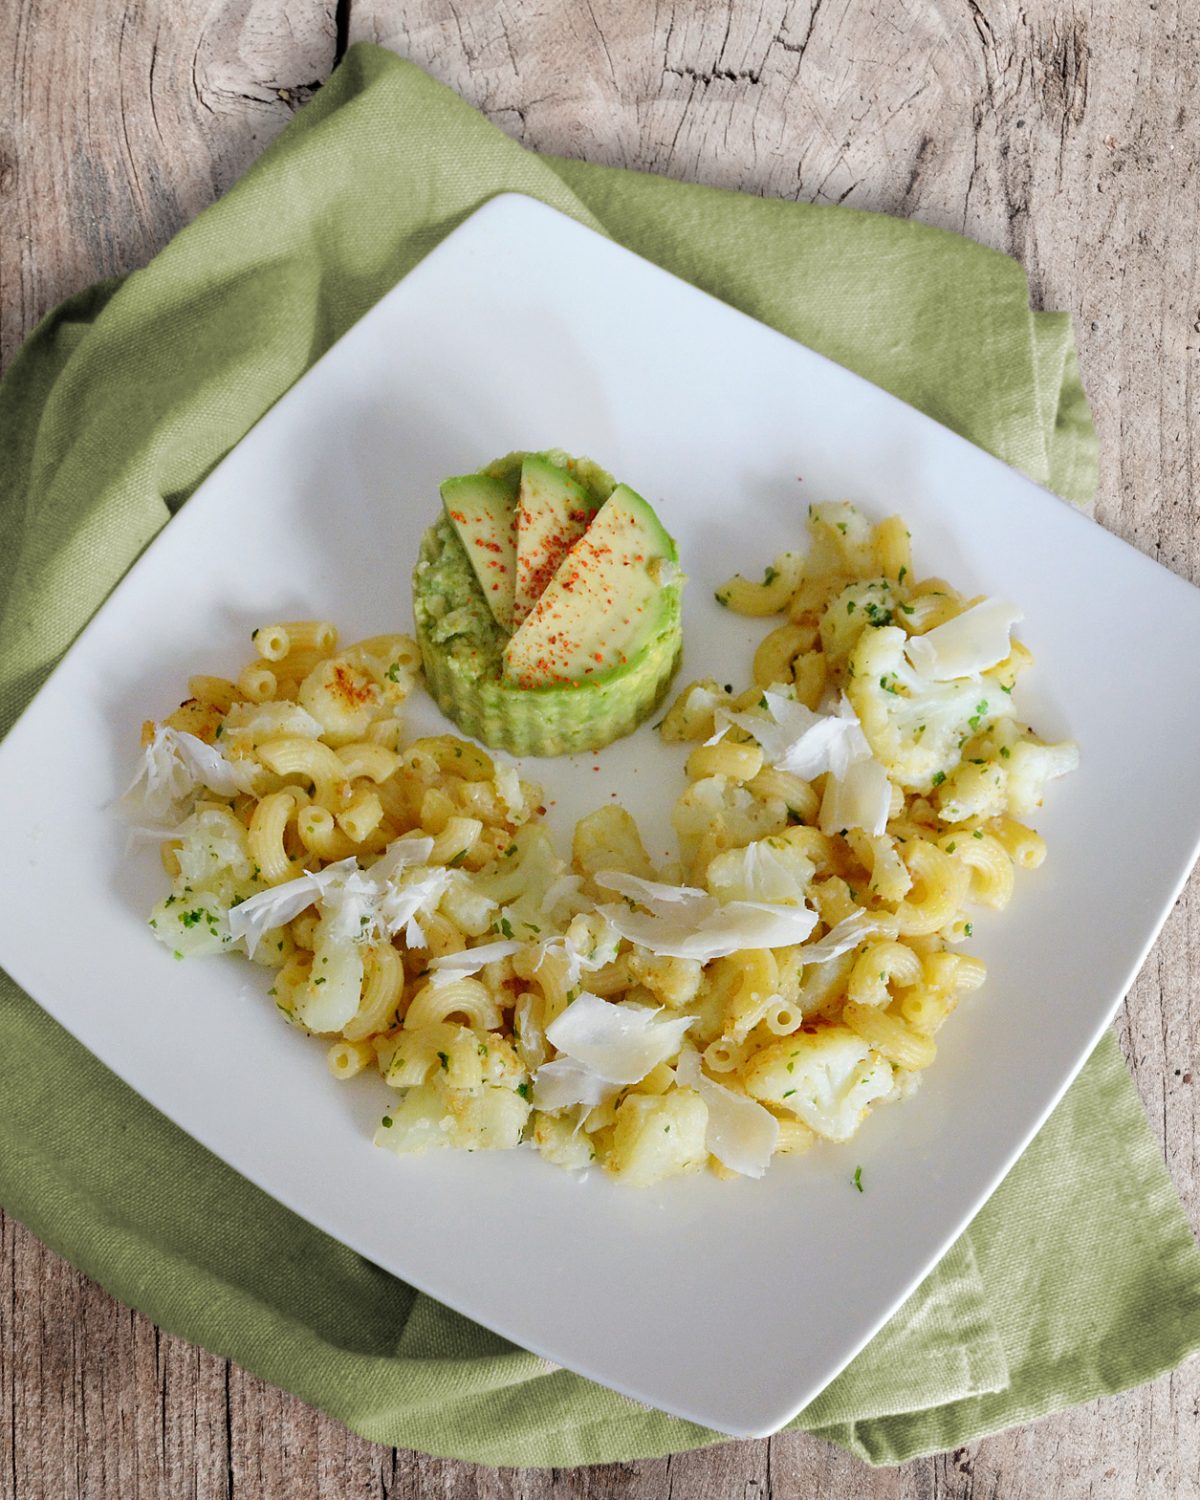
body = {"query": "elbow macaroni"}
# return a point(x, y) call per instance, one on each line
point(317, 726)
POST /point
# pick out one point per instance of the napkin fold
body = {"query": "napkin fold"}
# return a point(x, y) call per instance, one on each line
point(1079, 1278)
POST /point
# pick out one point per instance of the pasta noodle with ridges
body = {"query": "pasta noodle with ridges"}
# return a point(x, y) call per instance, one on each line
point(371, 866)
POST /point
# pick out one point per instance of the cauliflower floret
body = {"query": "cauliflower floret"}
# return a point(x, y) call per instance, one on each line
point(715, 800)
point(342, 699)
point(690, 717)
point(534, 887)
point(561, 1142)
point(826, 1075)
point(432, 1117)
point(770, 869)
point(1030, 766)
point(848, 614)
point(841, 540)
point(915, 727)
point(191, 925)
point(214, 855)
point(658, 1136)
point(973, 792)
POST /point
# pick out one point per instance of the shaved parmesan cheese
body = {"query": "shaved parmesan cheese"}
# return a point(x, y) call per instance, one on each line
point(740, 1133)
point(349, 900)
point(620, 1043)
point(356, 904)
point(861, 799)
point(795, 739)
point(253, 919)
point(563, 1083)
point(652, 894)
point(848, 933)
point(451, 966)
point(771, 870)
point(582, 946)
point(527, 1031)
point(687, 923)
point(258, 722)
point(175, 766)
point(418, 891)
point(967, 645)
point(409, 849)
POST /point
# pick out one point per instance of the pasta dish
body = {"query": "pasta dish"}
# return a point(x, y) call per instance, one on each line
point(842, 822)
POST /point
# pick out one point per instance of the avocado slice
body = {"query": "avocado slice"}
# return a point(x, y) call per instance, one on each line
point(483, 511)
point(616, 588)
point(553, 511)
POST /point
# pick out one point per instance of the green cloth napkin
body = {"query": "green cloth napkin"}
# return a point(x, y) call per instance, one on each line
point(1079, 1278)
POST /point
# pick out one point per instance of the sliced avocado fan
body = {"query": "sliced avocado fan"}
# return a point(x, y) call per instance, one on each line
point(607, 598)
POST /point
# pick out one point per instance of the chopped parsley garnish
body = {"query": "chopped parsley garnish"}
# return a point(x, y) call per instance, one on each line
point(320, 979)
point(977, 834)
point(506, 927)
point(903, 573)
point(950, 848)
point(770, 575)
point(444, 1060)
point(454, 863)
point(850, 606)
point(938, 777)
point(841, 526)
point(393, 672)
point(386, 1122)
point(523, 1090)
point(980, 709)
point(968, 928)
point(858, 1178)
point(1005, 752)
point(721, 599)
point(789, 1093)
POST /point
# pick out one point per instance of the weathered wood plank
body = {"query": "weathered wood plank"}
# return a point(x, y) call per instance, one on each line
point(119, 123)
point(1062, 133)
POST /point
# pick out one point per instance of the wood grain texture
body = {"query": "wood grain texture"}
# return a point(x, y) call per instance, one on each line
point(1063, 133)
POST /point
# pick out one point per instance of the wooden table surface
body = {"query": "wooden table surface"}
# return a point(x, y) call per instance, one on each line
point(1064, 132)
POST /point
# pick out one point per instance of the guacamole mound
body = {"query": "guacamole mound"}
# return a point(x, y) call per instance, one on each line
point(463, 649)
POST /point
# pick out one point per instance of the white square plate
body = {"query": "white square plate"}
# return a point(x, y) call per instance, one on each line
point(731, 1304)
